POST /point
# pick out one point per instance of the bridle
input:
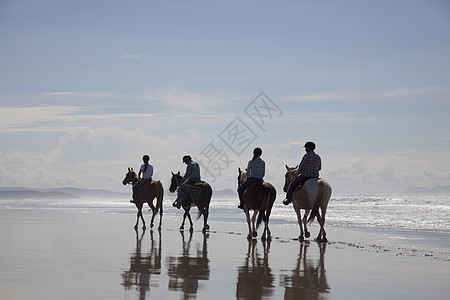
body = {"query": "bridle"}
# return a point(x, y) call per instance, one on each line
point(130, 180)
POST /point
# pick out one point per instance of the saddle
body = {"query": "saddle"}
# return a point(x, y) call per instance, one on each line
point(195, 191)
point(258, 185)
point(300, 185)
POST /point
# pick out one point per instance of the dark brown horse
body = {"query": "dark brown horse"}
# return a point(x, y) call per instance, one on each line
point(148, 192)
point(197, 195)
point(314, 194)
point(259, 198)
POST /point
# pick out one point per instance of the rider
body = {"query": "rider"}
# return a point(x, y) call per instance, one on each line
point(191, 176)
point(256, 169)
point(308, 168)
point(147, 172)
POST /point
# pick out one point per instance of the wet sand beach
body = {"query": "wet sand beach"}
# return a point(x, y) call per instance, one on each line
point(83, 254)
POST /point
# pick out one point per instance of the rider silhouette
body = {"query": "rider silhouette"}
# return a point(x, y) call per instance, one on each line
point(191, 177)
point(256, 169)
point(308, 168)
point(147, 172)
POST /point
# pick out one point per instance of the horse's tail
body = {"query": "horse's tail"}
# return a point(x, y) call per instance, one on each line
point(206, 199)
point(266, 208)
point(317, 201)
point(160, 198)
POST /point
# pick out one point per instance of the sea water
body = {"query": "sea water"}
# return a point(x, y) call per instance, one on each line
point(408, 212)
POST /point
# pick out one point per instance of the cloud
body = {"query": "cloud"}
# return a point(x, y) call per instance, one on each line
point(61, 94)
point(405, 92)
point(182, 100)
point(15, 119)
point(361, 95)
point(132, 56)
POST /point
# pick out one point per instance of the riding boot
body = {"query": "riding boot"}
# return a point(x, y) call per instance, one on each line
point(241, 205)
point(177, 203)
point(134, 200)
point(241, 202)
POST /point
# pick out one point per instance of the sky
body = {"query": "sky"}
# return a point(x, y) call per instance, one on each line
point(88, 87)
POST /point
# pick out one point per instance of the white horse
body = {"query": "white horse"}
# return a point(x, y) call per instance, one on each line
point(314, 194)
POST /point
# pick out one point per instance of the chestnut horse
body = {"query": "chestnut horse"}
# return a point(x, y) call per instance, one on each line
point(259, 198)
point(314, 194)
point(147, 193)
point(202, 193)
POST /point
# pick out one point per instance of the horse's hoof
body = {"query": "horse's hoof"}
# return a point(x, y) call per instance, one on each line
point(254, 234)
point(191, 230)
point(249, 237)
point(263, 238)
point(307, 234)
point(181, 227)
point(135, 227)
point(143, 227)
point(301, 239)
point(159, 228)
point(207, 227)
point(269, 238)
point(151, 225)
point(204, 230)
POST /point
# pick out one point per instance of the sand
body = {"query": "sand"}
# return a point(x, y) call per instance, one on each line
point(82, 254)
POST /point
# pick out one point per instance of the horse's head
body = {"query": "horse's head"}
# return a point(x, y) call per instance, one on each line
point(175, 181)
point(130, 177)
point(289, 176)
point(242, 176)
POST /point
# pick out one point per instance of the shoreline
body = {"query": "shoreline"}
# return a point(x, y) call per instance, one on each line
point(73, 254)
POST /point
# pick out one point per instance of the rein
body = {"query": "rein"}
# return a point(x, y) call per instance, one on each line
point(178, 181)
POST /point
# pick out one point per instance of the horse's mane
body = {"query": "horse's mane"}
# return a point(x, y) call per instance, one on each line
point(243, 176)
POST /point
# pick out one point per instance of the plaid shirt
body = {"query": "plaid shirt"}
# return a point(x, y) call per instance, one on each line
point(192, 171)
point(310, 165)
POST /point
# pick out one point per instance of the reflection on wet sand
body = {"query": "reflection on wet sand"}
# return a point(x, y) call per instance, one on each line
point(308, 280)
point(255, 278)
point(143, 265)
point(186, 270)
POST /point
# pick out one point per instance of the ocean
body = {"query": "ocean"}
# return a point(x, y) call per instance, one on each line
point(405, 212)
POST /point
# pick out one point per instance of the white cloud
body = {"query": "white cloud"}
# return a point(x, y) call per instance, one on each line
point(368, 95)
point(61, 94)
point(132, 56)
point(13, 119)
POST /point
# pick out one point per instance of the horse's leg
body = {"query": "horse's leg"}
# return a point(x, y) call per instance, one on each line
point(305, 221)
point(205, 220)
point(160, 200)
point(255, 213)
point(143, 221)
point(184, 219)
point(190, 221)
point(263, 236)
point(301, 238)
point(137, 219)
point(247, 215)
point(153, 214)
point(266, 232)
point(139, 215)
point(321, 231)
point(322, 234)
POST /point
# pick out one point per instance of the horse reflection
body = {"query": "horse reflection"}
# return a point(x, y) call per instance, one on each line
point(187, 270)
point(255, 277)
point(143, 265)
point(308, 280)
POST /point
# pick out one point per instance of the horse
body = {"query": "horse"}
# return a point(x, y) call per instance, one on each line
point(196, 195)
point(259, 198)
point(148, 192)
point(314, 194)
